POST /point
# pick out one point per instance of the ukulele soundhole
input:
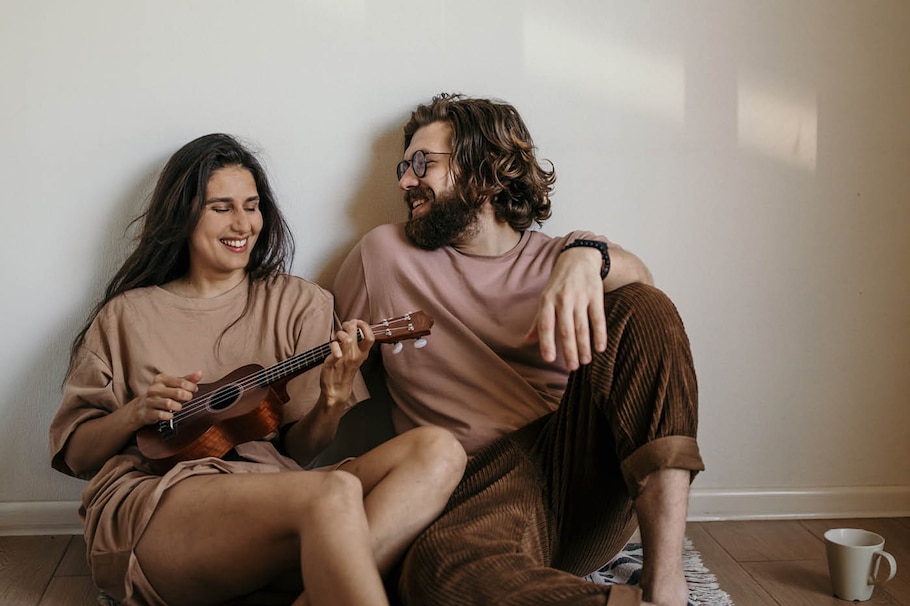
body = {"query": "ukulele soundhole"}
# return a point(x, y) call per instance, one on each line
point(225, 396)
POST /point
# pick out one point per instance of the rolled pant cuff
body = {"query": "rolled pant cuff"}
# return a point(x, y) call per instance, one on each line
point(670, 452)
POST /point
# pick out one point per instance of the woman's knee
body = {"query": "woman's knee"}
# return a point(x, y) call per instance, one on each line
point(334, 494)
point(341, 486)
point(438, 451)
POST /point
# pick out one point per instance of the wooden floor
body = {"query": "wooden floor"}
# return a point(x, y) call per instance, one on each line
point(783, 562)
point(757, 563)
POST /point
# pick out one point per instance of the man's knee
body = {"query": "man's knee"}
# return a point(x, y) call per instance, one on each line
point(644, 330)
point(643, 304)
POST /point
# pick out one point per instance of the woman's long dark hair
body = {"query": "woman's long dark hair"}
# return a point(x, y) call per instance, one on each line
point(162, 252)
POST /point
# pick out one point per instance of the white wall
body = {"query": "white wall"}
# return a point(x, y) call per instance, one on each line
point(754, 153)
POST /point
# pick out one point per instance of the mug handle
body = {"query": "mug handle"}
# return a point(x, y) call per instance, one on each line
point(892, 565)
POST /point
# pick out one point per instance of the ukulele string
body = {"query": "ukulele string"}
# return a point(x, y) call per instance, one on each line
point(199, 405)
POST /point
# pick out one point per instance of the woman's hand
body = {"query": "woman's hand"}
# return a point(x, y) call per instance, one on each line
point(348, 353)
point(309, 436)
point(163, 398)
point(98, 439)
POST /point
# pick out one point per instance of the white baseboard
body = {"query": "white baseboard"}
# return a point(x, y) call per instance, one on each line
point(40, 517)
point(786, 503)
point(61, 517)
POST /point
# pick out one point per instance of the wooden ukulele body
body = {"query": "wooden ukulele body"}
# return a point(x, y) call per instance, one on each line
point(236, 415)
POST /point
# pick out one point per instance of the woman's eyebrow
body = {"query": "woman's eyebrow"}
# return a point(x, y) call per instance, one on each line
point(230, 199)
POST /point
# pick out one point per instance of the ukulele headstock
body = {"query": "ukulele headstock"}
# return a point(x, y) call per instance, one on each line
point(413, 325)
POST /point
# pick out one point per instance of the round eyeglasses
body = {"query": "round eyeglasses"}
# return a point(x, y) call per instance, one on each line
point(418, 162)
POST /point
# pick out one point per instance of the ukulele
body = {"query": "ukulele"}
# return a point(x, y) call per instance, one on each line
point(246, 404)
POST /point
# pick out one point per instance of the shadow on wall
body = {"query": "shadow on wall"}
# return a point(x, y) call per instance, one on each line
point(377, 200)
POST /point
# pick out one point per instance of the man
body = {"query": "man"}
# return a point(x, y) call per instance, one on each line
point(564, 373)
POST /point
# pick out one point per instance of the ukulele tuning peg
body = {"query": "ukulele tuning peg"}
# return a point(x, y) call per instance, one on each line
point(419, 343)
point(397, 348)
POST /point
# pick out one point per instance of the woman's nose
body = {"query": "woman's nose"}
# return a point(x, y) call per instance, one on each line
point(242, 222)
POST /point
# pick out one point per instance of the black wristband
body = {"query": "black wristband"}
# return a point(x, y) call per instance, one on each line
point(601, 246)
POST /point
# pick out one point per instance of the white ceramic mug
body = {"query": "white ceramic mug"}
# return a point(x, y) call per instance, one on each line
point(854, 557)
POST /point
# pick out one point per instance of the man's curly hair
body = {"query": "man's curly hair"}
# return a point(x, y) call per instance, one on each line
point(493, 157)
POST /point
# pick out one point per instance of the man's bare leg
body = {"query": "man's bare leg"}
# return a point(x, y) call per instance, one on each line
point(662, 508)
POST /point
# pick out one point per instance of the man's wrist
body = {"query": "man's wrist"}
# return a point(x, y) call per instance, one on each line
point(601, 246)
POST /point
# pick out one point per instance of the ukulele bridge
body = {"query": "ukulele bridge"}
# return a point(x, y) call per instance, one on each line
point(167, 429)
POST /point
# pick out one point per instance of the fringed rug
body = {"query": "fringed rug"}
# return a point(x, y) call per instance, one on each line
point(625, 569)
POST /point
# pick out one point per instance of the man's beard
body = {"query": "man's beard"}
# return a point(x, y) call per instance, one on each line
point(447, 221)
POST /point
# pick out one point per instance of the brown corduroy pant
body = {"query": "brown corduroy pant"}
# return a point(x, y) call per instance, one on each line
point(554, 500)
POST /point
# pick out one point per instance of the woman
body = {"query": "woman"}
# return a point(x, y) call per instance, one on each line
point(202, 294)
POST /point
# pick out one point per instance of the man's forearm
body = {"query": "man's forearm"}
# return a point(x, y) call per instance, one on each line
point(626, 268)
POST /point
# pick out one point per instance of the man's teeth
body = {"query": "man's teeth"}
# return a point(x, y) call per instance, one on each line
point(235, 243)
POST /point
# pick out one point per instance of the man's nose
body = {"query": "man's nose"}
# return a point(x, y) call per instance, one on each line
point(408, 179)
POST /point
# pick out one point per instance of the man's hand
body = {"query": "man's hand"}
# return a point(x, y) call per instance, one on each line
point(571, 310)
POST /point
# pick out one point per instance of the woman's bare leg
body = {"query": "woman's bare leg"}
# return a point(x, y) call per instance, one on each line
point(407, 482)
point(218, 537)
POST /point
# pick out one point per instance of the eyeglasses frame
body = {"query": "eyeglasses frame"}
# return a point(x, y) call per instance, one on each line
point(402, 167)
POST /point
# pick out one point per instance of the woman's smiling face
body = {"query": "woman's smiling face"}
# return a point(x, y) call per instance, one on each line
point(228, 226)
